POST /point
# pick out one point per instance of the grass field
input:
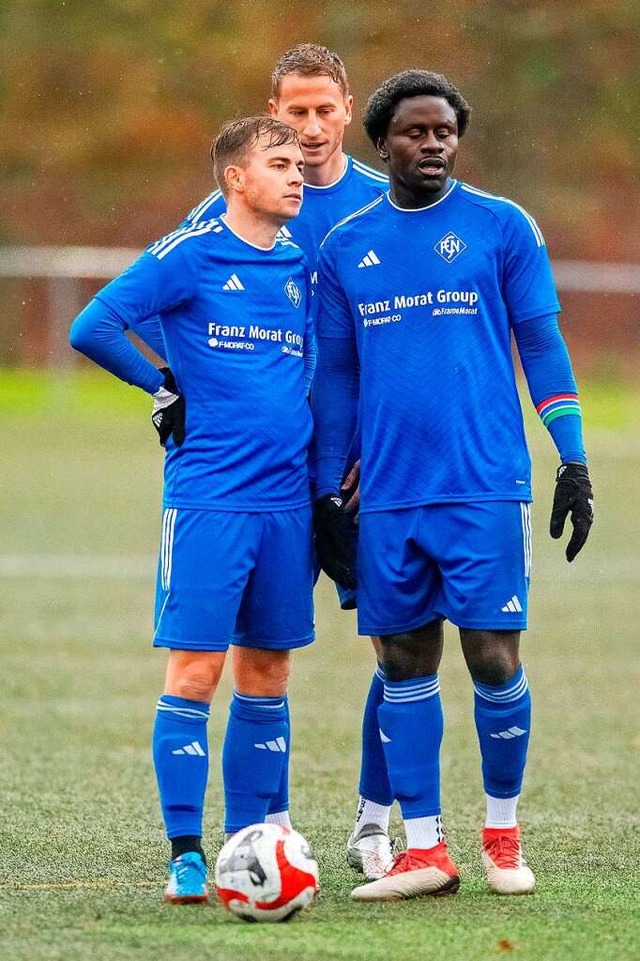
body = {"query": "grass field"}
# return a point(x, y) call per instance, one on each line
point(82, 852)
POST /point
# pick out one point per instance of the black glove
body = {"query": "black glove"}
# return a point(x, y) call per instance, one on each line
point(573, 495)
point(335, 540)
point(168, 414)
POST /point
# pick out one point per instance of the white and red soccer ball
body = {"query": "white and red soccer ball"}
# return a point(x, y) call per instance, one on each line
point(266, 872)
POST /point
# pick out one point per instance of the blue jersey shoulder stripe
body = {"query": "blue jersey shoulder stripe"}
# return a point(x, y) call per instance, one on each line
point(537, 233)
point(356, 213)
point(203, 206)
point(171, 241)
point(369, 172)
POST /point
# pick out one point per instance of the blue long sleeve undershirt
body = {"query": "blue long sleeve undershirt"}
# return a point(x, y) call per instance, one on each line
point(99, 333)
point(548, 372)
point(334, 403)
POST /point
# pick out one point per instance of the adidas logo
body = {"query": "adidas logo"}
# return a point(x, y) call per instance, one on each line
point(513, 606)
point(233, 283)
point(195, 748)
point(510, 733)
point(369, 260)
point(383, 737)
point(284, 233)
point(279, 745)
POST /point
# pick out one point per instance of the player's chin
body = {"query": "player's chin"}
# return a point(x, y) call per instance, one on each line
point(291, 206)
point(431, 184)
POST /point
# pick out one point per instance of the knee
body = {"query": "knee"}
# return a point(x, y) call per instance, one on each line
point(411, 654)
point(493, 657)
point(259, 673)
point(495, 668)
point(193, 675)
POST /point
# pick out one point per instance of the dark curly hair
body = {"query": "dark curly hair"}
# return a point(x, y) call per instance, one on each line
point(411, 83)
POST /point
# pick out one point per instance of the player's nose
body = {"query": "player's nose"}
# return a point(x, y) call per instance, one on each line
point(312, 127)
point(430, 142)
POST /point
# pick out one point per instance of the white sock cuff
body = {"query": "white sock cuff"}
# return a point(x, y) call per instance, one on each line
point(501, 811)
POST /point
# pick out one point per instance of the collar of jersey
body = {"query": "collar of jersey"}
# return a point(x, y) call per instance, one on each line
point(421, 210)
point(243, 240)
point(325, 188)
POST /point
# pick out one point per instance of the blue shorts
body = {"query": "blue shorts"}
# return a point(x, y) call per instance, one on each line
point(234, 578)
point(468, 563)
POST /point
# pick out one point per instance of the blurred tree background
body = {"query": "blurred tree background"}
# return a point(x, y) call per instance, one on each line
point(108, 110)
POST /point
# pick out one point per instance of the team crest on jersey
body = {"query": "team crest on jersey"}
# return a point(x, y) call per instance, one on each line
point(450, 247)
point(293, 292)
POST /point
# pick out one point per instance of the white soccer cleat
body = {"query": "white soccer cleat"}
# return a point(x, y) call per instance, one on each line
point(370, 851)
point(414, 873)
point(507, 870)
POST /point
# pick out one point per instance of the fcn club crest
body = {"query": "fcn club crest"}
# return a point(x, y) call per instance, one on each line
point(292, 292)
point(450, 247)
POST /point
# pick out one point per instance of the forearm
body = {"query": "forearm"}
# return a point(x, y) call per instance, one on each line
point(150, 333)
point(552, 386)
point(99, 333)
point(334, 402)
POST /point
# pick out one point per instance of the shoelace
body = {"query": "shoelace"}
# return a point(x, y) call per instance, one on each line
point(406, 862)
point(182, 868)
point(504, 851)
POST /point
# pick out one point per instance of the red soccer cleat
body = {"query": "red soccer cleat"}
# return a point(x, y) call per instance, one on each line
point(507, 870)
point(414, 873)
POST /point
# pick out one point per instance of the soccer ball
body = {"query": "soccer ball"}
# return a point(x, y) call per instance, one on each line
point(266, 872)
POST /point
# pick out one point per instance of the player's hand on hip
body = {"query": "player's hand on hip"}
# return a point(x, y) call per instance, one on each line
point(168, 414)
point(573, 495)
point(334, 540)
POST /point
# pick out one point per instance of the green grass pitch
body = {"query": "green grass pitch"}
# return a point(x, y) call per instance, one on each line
point(82, 852)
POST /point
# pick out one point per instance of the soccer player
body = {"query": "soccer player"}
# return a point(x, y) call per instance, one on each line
point(310, 92)
point(420, 295)
point(233, 414)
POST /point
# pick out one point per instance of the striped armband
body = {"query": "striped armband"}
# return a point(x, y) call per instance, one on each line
point(558, 406)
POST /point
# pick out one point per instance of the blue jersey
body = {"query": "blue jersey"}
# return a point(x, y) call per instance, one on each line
point(423, 302)
point(236, 328)
point(322, 207)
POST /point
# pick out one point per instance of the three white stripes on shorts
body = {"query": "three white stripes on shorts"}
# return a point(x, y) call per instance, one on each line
point(166, 546)
point(525, 513)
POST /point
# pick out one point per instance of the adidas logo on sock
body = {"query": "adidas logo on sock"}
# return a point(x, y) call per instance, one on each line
point(513, 606)
point(511, 732)
point(233, 283)
point(369, 260)
point(195, 748)
point(279, 745)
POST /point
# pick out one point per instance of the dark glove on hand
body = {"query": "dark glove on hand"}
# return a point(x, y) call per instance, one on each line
point(334, 540)
point(573, 495)
point(168, 414)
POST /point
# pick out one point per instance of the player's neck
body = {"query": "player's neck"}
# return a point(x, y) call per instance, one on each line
point(251, 226)
point(326, 174)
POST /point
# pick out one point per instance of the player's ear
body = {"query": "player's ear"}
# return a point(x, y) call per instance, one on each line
point(273, 108)
point(348, 104)
point(381, 147)
point(234, 178)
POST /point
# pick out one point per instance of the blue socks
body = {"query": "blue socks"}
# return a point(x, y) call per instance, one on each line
point(374, 779)
point(181, 758)
point(503, 722)
point(279, 803)
point(255, 747)
point(411, 726)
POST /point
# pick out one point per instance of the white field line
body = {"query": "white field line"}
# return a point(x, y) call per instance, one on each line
point(623, 568)
point(78, 566)
point(17, 887)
